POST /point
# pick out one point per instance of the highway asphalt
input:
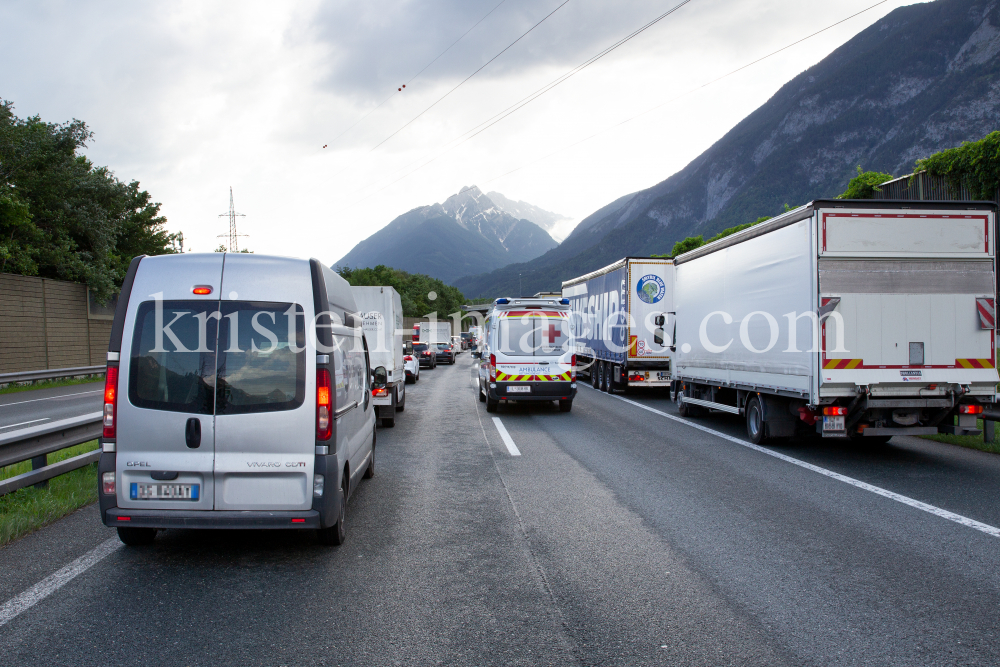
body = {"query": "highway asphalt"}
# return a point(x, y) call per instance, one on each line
point(36, 407)
point(617, 536)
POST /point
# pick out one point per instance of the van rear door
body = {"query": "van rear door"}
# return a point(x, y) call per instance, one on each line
point(265, 423)
point(165, 425)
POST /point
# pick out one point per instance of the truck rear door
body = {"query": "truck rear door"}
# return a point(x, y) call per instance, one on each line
point(910, 288)
point(166, 435)
point(265, 410)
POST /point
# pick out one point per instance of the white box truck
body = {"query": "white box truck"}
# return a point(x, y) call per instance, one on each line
point(623, 321)
point(382, 319)
point(850, 318)
point(435, 332)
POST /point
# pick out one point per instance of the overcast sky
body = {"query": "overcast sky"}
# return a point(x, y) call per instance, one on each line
point(190, 98)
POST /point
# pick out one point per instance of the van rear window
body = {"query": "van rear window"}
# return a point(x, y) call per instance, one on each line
point(172, 362)
point(534, 334)
point(262, 363)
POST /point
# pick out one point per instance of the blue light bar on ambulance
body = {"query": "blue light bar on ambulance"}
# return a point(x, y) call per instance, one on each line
point(564, 302)
point(502, 301)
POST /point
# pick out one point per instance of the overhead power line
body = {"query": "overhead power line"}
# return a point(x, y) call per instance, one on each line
point(486, 124)
point(463, 81)
point(472, 132)
point(412, 78)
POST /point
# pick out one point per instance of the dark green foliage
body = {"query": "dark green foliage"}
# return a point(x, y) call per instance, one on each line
point(690, 243)
point(865, 184)
point(413, 289)
point(60, 216)
point(976, 165)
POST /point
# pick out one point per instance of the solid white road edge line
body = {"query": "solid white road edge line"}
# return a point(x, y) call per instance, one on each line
point(885, 493)
point(505, 436)
point(33, 421)
point(50, 584)
point(54, 398)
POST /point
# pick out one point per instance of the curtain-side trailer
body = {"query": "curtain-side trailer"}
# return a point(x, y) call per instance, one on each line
point(622, 320)
point(848, 318)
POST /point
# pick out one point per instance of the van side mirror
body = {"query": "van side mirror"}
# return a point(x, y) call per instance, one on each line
point(659, 320)
point(381, 377)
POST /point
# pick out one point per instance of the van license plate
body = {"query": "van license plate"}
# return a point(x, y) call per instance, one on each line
point(519, 389)
point(833, 424)
point(164, 491)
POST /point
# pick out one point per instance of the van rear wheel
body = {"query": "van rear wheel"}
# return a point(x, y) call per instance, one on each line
point(335, 534)
point(137, 537)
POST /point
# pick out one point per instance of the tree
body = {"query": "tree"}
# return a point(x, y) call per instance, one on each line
point(865, 184)
point(62, 217)
point(976, 165)
point(415, 289)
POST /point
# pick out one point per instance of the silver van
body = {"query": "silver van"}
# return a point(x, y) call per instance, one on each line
point(238, 395)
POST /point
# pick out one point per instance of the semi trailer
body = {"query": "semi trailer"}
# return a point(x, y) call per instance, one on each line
point(852, 319)
point(622, 322)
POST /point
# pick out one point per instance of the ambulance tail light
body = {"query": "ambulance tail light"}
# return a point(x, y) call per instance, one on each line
point(493, 368)
point(572, 369)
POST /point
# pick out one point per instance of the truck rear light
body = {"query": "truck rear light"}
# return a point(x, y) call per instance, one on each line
point(834, 411)
point(380, 391)
point(324, 425)
point(110, 402)
point(572, 369)
point(108, 483)
point(970, 409)
point(493, 368)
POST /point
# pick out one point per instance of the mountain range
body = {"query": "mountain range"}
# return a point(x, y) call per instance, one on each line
point(922, 79)
point(469, 232)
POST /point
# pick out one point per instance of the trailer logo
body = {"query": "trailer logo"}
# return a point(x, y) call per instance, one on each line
point(650, 288)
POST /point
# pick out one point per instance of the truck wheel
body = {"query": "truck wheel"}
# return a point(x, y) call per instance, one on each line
point(595, 375)
point(565, 406)
point(609, 377)
point(335, 534)
point(491, 405)
point(137, 537)
point(756, 427)
point(388, 422)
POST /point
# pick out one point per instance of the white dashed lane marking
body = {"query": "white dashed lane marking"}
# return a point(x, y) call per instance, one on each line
point(505, 436)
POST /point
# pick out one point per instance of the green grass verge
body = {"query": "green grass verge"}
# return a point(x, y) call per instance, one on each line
point(970, 441)
point(48, 384)
point(29, 509)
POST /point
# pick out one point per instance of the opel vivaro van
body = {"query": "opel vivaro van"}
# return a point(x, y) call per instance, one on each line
point(528, 353)
point(238, 395)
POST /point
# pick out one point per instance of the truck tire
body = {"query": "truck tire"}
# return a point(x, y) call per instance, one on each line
point(756, 426)
point(388, 422)
point(687, 410)
point(609, 377)
point(137, 537)
point(595, 375)
point(335, 534)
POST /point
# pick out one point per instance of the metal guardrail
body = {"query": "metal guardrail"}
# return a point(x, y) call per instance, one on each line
point(33, 443)
point(50, 374)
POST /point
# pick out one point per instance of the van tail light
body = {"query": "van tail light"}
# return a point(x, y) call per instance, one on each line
point(970, 409)
point(493, 368)
point(572, 369)
point(324, 425)
point(110, 402)
point(834, 411)
point(108, 483)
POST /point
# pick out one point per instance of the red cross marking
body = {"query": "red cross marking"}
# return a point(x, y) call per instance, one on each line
point(552, 334)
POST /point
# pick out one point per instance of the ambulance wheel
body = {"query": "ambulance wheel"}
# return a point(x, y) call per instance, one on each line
point(491, 405)
point(756, 427)
point(565, 406)
point(137, 537)
point(482, 395)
